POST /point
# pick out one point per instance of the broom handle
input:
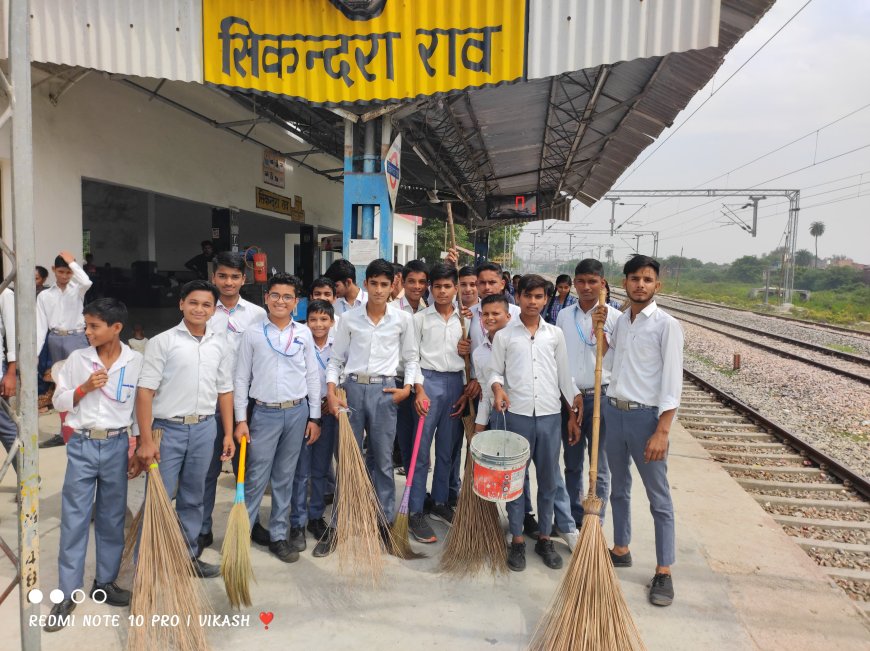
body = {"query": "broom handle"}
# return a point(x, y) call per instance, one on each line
point(240, 478)
point(465, 335)
point(416, 451)
point(596, 408)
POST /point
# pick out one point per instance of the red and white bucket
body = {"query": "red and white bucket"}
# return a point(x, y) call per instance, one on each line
point(499, 460)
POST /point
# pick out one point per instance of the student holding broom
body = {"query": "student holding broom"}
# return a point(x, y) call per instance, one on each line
point(370, 342)
point(439, 386)
point(96, 387)
point(233, 315)
point(315, 459)
point(646, 382)
point(184, 375)
point(577, 323)
point(528, 371)
point(277, 368)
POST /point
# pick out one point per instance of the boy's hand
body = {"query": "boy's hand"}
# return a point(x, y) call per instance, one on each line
point(464, 347)
point(399, 394)
point(500, 399)
point(472, 389)
point(421, 402)
point(147, 453)
point(8, 386)
point(97, 379)
point(656, 447)
point(573, 431)
point(229, 448)
point(599, 317)
point(134, 467)
point(242, 431)
point(68, 257)
point(577, 408)
point(312, 432)
point(335, 405)
point(459, 406)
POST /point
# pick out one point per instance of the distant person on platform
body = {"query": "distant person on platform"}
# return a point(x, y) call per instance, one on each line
point(199, 263)
point(41, 277)
point(348, 294)
point(560, 300)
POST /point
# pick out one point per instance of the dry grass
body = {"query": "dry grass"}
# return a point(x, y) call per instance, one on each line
point(236, 568)
point(164, 582)
point(360, 526)
point(589, 612)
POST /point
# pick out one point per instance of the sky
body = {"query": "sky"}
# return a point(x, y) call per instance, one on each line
point(815, 71)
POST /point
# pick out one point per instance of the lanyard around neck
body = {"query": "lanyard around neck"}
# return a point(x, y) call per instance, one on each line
point(119, 389)
point(290, 340)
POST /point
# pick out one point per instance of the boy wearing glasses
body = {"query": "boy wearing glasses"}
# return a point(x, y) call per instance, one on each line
point(96, 388)
point(277, 368)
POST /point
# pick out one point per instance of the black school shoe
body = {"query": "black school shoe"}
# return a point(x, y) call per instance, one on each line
point(661, 590)
point(297, 539)
point(547, 551)
point(623, 560)
point(205, 540)
point(55, 441)
point(317, 528)
point(57, 618)
point(326, 544)
point(421, 529)
point(530, 526)
point(443, 513)
point(260, 535)
point(115, 596)
point(284, 551)
point(516, 560)
point(205, 570)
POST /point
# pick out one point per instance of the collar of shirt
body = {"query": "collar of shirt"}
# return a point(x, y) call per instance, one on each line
point(209, 331)
point(361, 299)
point(90, 354)
point(649, 310)
point(405, 306)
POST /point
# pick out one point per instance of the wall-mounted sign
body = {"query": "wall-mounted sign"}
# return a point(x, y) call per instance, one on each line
point(273, 168)
point(311, 50)
point(393, 168)
point(266, 200)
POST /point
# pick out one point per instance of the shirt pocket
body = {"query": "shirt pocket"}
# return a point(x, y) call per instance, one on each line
point(647, 347)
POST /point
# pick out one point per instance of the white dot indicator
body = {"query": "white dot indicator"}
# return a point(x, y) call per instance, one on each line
point(55, 596)
point(35, 596)
point(78, 596)
point(99, 596)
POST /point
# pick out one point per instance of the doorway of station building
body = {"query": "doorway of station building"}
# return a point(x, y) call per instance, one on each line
point(138, 245)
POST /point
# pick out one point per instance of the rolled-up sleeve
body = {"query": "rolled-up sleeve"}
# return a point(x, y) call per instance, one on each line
point(672, 367)
point(153, 363)
point(242, 380)
point(410, 350)
point(340, 345)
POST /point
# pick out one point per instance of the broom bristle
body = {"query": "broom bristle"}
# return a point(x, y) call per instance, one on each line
point(236, 566)
point(401, 543)
point(136, 523)
point(589, 611)
point(359, 519)
point(164, 583)
point(475, 541)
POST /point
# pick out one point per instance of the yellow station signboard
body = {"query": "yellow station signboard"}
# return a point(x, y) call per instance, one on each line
point(311, 50)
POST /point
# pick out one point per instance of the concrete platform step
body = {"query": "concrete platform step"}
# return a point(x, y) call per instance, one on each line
point(808, 543)
point(800, 502)
point(850, 525)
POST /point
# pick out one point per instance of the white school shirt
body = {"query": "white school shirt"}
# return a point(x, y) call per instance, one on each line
point(480, 361)
point(274, 365)
point(139, 345)
point(361, 346)
point(437, 340)
point(323, 356)
point(646, 359)
point(234, 322)
point(342, 305)
point(188, 374)
point(477, 331)
point(580, 338)
point(109, 407)
point(532, 370)
point(62, 309)
point(7, 325)
point(401, 303)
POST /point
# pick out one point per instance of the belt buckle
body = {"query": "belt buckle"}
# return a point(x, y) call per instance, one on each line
point(190, 420)
point(98, 434)
point(287, 404)
point(624, 405)
point(363, 378)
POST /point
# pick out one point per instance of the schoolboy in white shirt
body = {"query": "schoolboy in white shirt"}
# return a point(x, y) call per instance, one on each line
point(96, 387)
point(348, 294)
point(277, 368)
point(528, 371)
point(646, 383)
point(439, 387)
point(232, 316)
point(186, 372)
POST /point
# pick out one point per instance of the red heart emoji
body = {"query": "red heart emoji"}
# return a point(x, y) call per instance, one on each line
point(267, 618)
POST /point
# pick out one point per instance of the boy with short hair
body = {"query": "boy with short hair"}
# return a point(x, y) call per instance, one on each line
point(468, 287)
point(529, 363)
point(59, 322)
point(348, 294)
point(233, 315)
point(315, 459)
point(276, 367)
point(138, 341)
point(646, 382)
point(439, 386)
point(397, 291)
point(415, 282)
point(184, 375)
point(96, 387)
point(370, 341)
point(577, 323)
point(495, 315)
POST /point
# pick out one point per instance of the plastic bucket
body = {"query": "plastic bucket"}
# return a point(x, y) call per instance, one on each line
point(499, 461)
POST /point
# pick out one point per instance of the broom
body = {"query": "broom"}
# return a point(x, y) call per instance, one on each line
point(589, 610)
point(360, 523)
point(401, 544)
point(136, 523)
point(236, 550)
point(164, 584)
point(474, 542)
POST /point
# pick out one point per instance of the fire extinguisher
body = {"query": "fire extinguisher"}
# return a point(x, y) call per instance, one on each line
point(260, 273)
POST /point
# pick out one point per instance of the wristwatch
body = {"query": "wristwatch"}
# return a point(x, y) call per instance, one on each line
point(316, 421)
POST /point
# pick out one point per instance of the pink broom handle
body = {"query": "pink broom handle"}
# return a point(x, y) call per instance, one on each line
point(407, 494)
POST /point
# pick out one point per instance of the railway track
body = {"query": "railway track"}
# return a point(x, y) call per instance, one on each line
point(823, 505)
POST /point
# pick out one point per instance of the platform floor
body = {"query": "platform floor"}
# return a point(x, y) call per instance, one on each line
point(740, 583)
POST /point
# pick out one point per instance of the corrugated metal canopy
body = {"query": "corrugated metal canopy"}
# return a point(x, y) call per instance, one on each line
point(572, 135)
